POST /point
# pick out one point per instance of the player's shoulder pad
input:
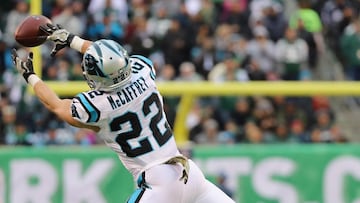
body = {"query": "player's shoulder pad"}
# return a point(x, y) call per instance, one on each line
point(141, 62)
point(84, 110)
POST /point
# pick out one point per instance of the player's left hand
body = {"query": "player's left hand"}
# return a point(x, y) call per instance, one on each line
point(59, 35)
point(24, 67)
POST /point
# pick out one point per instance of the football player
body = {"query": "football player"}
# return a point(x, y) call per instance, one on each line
point(125, 108)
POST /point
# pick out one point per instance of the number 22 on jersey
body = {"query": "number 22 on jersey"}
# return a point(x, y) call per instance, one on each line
point(158, 127)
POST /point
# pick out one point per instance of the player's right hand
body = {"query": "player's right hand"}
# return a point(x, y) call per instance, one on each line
point(24, 67)
point(59, 35)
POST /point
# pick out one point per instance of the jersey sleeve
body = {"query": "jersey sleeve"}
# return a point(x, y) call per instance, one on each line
point(83, 110)
point(147, 63)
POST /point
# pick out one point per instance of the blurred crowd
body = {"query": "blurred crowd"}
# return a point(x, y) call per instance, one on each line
point(194, 40)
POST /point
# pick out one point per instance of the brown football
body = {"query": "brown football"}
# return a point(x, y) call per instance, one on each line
point(28, 33)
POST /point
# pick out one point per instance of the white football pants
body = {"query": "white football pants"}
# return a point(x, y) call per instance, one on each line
point(162, 184)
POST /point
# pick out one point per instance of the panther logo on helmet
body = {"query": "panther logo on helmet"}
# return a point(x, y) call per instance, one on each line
point(93, 68)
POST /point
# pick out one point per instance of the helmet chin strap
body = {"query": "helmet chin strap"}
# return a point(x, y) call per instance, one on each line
point(92, 84)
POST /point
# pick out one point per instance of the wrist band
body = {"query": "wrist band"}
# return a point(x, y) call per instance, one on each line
point(33, 79)
point(77, 43)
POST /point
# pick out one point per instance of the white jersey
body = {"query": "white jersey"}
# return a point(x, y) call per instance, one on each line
point(131, 119)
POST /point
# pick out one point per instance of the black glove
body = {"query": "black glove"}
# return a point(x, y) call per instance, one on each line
point(59, 35)
point(24, 67)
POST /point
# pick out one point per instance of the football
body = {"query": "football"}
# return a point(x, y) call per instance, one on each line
point(28, 33)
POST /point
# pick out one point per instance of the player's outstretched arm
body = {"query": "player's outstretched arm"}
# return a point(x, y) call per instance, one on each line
point(61, 107)
point(63, 38)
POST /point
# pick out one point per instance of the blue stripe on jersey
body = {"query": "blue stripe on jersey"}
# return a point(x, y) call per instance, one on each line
point(94, 113)
point(144, 59)
point(141, 179)
point(136, 196)
point(148, 63)
point(152, 75)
